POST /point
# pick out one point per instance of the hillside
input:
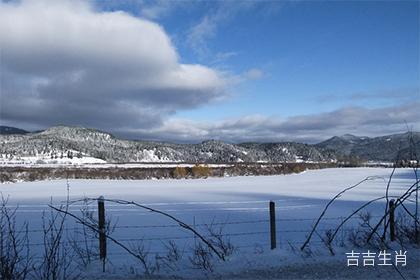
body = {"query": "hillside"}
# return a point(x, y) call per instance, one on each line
point(11, 130)
point(383, 148)
point(64, 144)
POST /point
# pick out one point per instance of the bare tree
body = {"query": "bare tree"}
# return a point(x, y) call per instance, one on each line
point(57, 254)
point(219, 240)
point(57, 258)
point(202, 257)
point(172, 257)
point(150, 264)
point(15, 259)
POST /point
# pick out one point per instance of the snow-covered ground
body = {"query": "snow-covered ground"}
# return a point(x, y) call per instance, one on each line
point(91, 162)
point(238, 204)
point(47, 161)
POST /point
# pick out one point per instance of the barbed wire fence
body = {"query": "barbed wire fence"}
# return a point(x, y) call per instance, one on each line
point(257, 233)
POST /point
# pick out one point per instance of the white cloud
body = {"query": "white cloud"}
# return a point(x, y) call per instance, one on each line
point(221, 13)
point(208, 26)
point(159, 8)
point(65, 62)
point(200, 33)
point(222, 56)
point(305, 128)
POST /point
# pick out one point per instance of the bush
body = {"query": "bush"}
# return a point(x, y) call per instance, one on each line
point(201, 171)
point(15, 259)
point(298, 168)
point(180, 172)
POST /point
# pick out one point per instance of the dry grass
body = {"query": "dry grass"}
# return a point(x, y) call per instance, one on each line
point(201, 171)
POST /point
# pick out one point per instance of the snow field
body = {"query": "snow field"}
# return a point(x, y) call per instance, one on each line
point(237, 204)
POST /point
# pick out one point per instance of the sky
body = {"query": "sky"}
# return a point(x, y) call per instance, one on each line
point(188, 71)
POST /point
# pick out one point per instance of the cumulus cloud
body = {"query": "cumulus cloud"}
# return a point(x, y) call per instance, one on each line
point(306, 128)
point(65, 62)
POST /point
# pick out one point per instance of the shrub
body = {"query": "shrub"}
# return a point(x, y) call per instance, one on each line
point(15, 259)
point(201, 171)
point(298, 168)
point(180, 172)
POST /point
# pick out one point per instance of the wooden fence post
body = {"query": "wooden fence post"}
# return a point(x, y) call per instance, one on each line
point(273, 225)
point(392, 219)
point(101, 227)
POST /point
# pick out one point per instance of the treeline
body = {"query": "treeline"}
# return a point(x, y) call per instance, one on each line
point(14, 174)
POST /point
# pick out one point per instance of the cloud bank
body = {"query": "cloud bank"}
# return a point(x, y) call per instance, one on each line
point(306, 128)
point(64, 62)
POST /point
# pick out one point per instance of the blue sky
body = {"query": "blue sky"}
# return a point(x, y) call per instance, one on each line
point(268, 70)
point(314, 55)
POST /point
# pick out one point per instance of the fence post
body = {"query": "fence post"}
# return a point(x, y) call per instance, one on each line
point(101, 227)
point(392, 219)
point(273, 225)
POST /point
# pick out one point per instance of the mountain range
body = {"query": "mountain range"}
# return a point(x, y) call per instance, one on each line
point(11, 130)
point(76, 142)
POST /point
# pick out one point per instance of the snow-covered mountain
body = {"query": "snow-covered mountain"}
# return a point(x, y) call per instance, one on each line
point(11, 130)
point(404, 146)
point(62, 143)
